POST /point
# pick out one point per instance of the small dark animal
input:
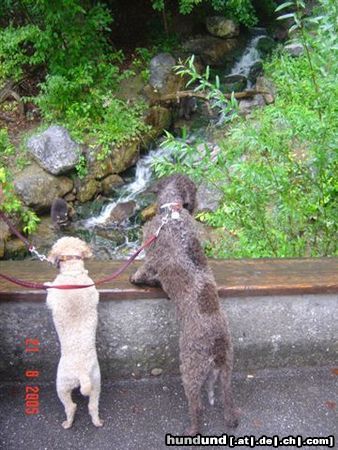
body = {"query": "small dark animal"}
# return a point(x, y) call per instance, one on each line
point(187, 107)
point(176, 261)
point(60, 214)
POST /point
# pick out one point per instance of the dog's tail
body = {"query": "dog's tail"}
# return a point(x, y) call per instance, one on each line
point(85, 385)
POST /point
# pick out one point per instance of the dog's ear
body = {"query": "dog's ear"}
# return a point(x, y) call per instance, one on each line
point(159, 185)
point(188, 192)
point(86, 251)
point(53, 255)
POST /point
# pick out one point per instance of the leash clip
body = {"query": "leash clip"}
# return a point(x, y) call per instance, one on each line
point(34, 251)
point(164, 220)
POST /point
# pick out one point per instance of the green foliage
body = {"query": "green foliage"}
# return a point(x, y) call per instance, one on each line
point(241, 10)
point(120, 123)
point(212, 92)
point(278, 170)
point(68, 39)
point(9, 202)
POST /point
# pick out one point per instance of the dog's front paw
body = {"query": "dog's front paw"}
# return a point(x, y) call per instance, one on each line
point(133, 279)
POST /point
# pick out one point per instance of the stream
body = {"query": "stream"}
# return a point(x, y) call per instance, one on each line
point(115, 231)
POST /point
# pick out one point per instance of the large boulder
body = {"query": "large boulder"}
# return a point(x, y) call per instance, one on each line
point(110, 183)
point(265, 45)
point(161, 72)
point(163, 80)
point(45, 235)
point(87, 188)
point(98, 169)
point(125, 156)
point(213, 51)
point(159, 118)
point(221, 27)
point(208, 197)
point(54, 150)
point(121, 212)
point(38, 189)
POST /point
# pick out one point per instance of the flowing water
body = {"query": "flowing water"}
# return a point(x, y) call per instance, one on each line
point(119, 240)
point(249, 57)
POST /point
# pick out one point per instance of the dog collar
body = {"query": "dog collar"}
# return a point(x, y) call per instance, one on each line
point(174, 208)
point(67, 258)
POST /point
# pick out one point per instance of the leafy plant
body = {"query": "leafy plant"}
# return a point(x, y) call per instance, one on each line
point(9, 202)
point(241, 10)
point(277, 170)
point(211, 91)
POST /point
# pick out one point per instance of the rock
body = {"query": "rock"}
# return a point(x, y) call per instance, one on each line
point(38, 188)
point(247, 105)
point(295, 49)
point(212, 50)
point(90, 209)
point(125, 156)
point(234, 83)
point(54, 150)
point(159, 118)
point(208, 197)
point(265, 45)
point(70, 197)
point(156, 372)
point(111, 182)
point(45, 235)
point(163, 80)
point(15, 249)
point(115, 236)
point(221, 27)
point(4, 231)
point(87, 188)
point(267, 86)
point(255, 71)
point(121, 212)
point(98, 169)
point(160, 68)
point(148, 212)
point(130, 88)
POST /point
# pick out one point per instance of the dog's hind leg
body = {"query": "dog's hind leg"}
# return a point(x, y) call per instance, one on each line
point(93, 407)
point(94, 396)
point(231, 414)
point(194, 372)
point(65, 395)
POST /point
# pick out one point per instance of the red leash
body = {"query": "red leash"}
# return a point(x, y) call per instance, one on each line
point(33, 285)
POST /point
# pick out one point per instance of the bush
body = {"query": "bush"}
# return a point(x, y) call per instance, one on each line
point(69, 41)
point(278, 169)
point(9, 202)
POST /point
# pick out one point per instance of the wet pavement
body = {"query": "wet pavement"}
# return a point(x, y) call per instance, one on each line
point(139, 413)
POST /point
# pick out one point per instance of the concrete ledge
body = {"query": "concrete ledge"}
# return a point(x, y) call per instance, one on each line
point(136, 336)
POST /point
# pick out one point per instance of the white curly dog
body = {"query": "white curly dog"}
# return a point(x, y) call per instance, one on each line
point(75, 319)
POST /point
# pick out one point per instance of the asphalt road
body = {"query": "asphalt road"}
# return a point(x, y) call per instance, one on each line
point(138, 413)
